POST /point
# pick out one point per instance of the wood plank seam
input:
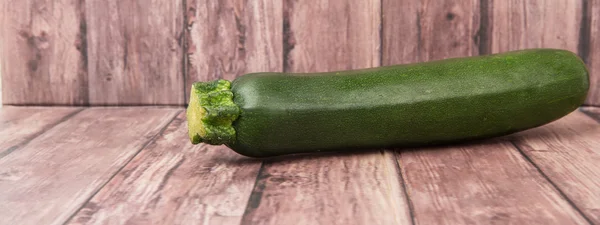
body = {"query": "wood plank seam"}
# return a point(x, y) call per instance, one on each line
point(591, 115)
point(411, 208)
point(37, 134)
point(150, 141)
point(584, 32)
point(482, 38)
point(558, 190)
point(288, 37)
point(184, 39)
point(255, 196)
point(381, 34)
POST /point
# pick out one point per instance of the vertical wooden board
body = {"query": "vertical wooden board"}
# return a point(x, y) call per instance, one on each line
point(18, 125)
point(357, 188)
point(594, 52)
point(42, 52)
point(331, 35)
point(400, 31)
point(567, 152)
point(173, 182)
point(520, 24)
point(448, 29)
point(135, 52)
point(49, 179)
point(482, 183)
point(228, 38)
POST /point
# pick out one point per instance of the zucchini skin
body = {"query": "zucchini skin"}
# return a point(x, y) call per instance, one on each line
point(418, 104)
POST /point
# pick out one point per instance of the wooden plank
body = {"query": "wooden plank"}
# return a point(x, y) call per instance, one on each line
point(520, 24)
point(567, 152)
point(18, 125)
point(49, 179)
point(481, 183)
point(173, 182)
point(400, 31)
point(357, 188)
point(594, 52)
point(135, 52)
point(448, 29)
point(228, 38)
point(42, 52)
point(331, 35)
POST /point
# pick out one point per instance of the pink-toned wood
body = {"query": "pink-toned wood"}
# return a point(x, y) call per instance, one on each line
point(594, 52)
point(228, 38)
point(448, 29)
point(519, 24)
point(400, 31)
point(592, 111)
point(482, 183)
point(357, 188)
point(173, 182)
point(18, 125)
point(42, 52)
point(568, 152)
point(331, 35)
point(49, 179)
point(135, 52)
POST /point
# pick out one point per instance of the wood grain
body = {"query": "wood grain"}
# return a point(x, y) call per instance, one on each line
point(535, 24)
point(42, 52)
point(448, 29)
point(357, 188)
point(594, 52)
point(331, 35)
point(400, 31)
point(174, 182)
point(483, 183)
point(228, 38)
point(18, 125)
point(135, 52)
point(567, 152)
point(520, 24)
point(50, 178)
point(592, 111)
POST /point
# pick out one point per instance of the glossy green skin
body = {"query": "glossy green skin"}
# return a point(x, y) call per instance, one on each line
point(406, 105)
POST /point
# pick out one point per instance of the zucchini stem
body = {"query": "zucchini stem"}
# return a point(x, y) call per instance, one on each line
point(211, 112)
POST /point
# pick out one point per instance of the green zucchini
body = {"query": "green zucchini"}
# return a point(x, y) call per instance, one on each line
point(437, 102)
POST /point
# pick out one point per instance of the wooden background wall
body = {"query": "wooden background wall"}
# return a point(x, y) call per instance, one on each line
point(142, 52)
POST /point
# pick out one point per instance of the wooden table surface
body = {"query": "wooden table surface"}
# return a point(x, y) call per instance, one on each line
point(135, 165)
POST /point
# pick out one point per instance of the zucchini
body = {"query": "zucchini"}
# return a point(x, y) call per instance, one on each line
point(437, 102)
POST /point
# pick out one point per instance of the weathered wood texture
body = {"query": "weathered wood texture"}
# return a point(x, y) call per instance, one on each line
point(567, 151)
point(483, 183)
point(135, 52)
point(593, 51)
point(448, 29)
point(19, 125)
point(359, 188)
point(228, 38)
point(73, 52)
point(331, 35)
point(173, 182)
point(516, 24)
point(49, 179)
point(401, 31)
point(42, 52)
